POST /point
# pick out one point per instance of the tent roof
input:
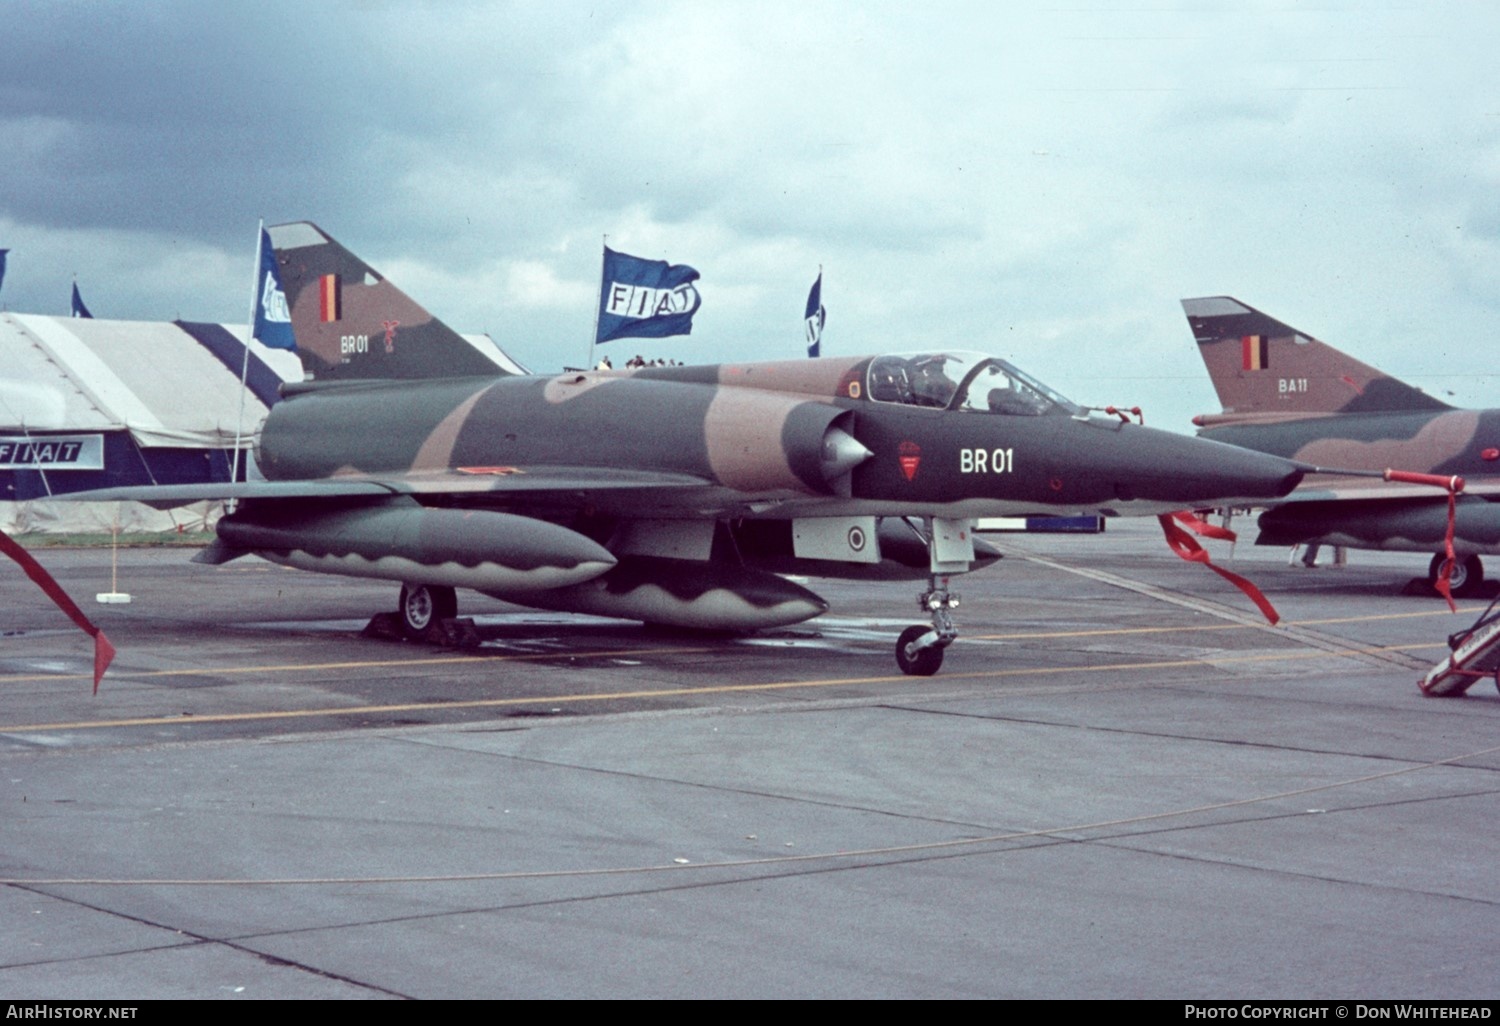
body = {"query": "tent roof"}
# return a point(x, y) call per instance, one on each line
point(151, 378)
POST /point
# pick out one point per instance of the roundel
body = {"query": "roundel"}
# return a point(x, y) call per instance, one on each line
point(854, 390)
point(856, 539)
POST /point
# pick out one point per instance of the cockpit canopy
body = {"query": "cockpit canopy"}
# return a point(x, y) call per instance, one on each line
point(962, 381)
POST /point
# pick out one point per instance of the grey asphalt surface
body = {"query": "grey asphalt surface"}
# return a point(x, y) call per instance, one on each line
point(1122, 784)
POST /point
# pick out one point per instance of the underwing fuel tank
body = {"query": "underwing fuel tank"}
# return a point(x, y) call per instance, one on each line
point(406, 542)
point(1415, 525)
point(684, 593)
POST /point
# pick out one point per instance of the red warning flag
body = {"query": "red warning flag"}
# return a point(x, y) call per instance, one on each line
point(104, 652)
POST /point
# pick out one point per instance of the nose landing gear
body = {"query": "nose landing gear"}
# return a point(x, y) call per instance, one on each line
point(919, 649)
point(950, 550)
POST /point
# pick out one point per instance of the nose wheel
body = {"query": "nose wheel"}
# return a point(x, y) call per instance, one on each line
point(919, 649)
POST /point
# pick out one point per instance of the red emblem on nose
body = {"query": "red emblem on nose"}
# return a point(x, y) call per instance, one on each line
point(910, 456)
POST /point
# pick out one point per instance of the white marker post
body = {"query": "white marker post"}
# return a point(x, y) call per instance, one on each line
point(114, 596)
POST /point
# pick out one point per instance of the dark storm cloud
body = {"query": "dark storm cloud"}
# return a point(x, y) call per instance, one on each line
point(155, 116)
point(199, 117)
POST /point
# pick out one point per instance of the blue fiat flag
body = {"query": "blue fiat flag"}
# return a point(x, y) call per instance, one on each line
point(814, 317)
point(79, 310)
point(645, 298)
point(273, 321)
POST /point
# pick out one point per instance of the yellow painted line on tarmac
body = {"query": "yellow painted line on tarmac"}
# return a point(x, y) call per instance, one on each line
point(1033, 635)
point(1098, 632)
point(384, 664)
point(368, 664)
point(1461, 611)
point(718, 689)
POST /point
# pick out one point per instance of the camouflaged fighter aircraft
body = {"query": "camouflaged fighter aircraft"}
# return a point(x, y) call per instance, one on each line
point(673, 495)
point(1288, 394)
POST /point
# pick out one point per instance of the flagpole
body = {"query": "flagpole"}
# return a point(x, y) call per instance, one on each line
point(239, 425)
point(598, 307)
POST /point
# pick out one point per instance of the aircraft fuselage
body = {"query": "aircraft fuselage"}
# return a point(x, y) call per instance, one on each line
point(756, 445)
point(1463, 442)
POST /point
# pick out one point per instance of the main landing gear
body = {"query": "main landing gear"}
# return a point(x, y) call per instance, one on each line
point(1468, 574)
point(427, 613)
point(424, 605)
point(919, 649)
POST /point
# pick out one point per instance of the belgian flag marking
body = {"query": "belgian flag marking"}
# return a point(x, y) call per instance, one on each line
point(1254, 350)
point(328, 298)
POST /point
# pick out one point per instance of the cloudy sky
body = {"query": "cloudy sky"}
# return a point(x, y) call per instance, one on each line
point(1043, 182)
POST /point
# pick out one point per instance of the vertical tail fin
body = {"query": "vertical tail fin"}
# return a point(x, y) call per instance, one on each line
point(1260, 365)
point(351, 324)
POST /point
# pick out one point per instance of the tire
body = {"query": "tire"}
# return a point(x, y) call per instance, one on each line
point(1468, 574)
point(423, 605)
point(926, 662)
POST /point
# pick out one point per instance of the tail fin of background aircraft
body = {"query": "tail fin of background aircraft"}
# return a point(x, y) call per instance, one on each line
point(351, 324)
point(1259, 365)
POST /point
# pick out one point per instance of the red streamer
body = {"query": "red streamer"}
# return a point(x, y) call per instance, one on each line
point(1444, 586)
point(1187, 547)
point(104, 652)
point(1202, 527)
point(1453, 485)
point(1124, 414)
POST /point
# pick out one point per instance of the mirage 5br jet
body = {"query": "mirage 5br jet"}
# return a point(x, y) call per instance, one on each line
point(673, 495)
point(1288, 394)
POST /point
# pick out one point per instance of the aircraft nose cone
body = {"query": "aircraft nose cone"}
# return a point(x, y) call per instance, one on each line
point(1231, 472)
point(1178, 468)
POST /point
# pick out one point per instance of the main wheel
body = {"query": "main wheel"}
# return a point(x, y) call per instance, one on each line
point(423, 605)
point(1468, 574)
point(926, 662)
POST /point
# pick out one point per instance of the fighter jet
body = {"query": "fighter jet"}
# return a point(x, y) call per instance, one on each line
point(671, 495)
point(1286, 393)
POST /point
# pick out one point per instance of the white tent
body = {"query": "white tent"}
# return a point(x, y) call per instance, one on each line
point(88, 403)
point(149, 378)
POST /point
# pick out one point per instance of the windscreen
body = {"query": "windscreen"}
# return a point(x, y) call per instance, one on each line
point(972, 382)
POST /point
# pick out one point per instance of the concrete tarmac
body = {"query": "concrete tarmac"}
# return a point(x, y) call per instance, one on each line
point(1122, 784)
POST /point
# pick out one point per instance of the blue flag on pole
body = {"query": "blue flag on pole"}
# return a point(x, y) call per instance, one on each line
point(814, 317)
point(79, 310)
point(645, 298)
point(2, 265)
point(273, 321)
